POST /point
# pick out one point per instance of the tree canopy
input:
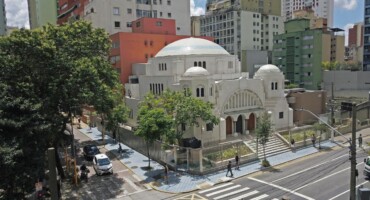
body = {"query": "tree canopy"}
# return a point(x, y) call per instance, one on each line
point(46, 76)
point(263, 130)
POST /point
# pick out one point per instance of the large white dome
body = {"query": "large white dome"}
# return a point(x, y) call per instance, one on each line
point(192, 46)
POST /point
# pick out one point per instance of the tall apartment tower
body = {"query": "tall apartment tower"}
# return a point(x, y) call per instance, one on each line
point(241, 26)
point(301, 49)
point(2, 18)
point(42, 12)
point(322, 8)
point(355, 47)
point(116, 16)
point(366, 60)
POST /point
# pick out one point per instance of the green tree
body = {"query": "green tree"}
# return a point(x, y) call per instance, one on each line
point(46, 76)
point(263, 132)
point(320, 128)
point(153, 122)
point(330, 65)
point(118, 115)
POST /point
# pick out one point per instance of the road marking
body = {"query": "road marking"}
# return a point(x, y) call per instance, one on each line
point(128, 194)
point(224, 190)
point(325, 177)
point(231, 193)
point(124, 170)
point(308, 169)
point(347, 191)
point(191, 197)
point(245, 195)
point(260, 197)
point(281, 188)
point(221, 186)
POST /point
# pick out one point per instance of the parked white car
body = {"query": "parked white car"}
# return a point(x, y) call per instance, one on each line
point(102, 164)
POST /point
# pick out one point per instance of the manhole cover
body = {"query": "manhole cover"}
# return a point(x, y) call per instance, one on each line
point(133, 167)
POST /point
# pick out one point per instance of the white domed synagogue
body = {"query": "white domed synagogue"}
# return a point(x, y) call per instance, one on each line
point(213, 75)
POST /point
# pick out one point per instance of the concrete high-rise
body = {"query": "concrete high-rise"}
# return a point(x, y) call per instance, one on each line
point(117, 16)
point(2, 18)
point(42, 12)
point(242, 26)
point(322, 8)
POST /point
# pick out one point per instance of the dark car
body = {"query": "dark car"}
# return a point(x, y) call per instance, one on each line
point(90, 151)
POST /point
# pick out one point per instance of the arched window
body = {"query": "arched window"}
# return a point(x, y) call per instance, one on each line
point(165, 66)
point(276, 85)
point(195, 63)
point(204, 65)
point(198, 92)
point(272, 86)
point(199, 64)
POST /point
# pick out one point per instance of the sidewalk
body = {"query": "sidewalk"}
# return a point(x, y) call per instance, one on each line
point(183, 182)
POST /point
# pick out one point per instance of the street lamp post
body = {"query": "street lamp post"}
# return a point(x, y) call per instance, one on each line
point(201, 135)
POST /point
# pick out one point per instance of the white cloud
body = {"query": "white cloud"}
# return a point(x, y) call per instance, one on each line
point(195, 11)
point(17, 13)
point(346, 27)
point(346, 4)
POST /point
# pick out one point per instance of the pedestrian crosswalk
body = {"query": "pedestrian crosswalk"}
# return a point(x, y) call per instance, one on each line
point(233, 192)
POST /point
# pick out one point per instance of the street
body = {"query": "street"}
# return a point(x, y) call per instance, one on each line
point(321, 176)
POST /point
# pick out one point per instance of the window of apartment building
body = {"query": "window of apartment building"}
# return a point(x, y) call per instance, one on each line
point(117, 24)
point(178, 28)
point(155, 2)
point(116, 11)
point(137, 24)
point(160, 14)
point(160, 2)
point(115, 45)
point(169, 2)
point(169, 15)
point(129, 24)
point(209, 127)
point(129, 11)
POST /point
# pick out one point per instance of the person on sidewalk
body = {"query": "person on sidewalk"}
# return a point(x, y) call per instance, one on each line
point(313, 140)
point(119, 148)
point(292, 142)
point(236, 162)
point(360, 141)
point(229, 169)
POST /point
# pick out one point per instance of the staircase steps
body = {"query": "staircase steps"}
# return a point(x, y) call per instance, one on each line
point(273, 147)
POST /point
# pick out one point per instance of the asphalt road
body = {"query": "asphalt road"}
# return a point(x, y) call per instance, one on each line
point(320, 176)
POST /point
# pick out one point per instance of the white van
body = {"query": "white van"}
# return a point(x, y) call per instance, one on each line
point(367, 167)
point(102, 164)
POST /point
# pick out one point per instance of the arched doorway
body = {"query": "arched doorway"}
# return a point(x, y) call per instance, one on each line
point(229, 126)
point(239, 124)
point(251, 122)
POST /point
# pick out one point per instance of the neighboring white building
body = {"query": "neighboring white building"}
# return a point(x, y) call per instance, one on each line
point(213, 75)
point(241, 30)
point(116, 16)
point(322, 8)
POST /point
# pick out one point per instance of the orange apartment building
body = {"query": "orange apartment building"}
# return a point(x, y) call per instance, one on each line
point(148, 37)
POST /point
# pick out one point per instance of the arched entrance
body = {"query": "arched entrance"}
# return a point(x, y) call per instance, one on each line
point(251, 122)
point(239, 124)
point(229, 126)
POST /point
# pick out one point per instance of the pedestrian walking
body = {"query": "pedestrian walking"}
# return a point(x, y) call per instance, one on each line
point(313, 139)
point(229, 169)
point(79, 122)
point(360, 141)
point(119, 148)
point(292, 142)
point(166, 173)
point(236, 162)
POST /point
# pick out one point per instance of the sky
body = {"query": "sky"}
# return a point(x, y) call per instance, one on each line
point(346, 12)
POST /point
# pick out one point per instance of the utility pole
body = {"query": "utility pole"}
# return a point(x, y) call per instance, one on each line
point(353, 155)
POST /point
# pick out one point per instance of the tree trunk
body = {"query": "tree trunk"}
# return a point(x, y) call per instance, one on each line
point(58, 163)
point(147, 148)
point(264, 151)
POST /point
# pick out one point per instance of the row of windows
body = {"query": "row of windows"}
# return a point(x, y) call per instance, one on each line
point(114, 59)
point(162, 67)
point(241, 100)
point(147, 2)
point(156, 88)
point(274, 86)
point(200, 64)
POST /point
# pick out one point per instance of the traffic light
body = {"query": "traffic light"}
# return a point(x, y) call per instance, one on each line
point(347, 106)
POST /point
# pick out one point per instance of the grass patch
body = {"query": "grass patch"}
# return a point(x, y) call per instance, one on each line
point(229, 153)
point(299, 136)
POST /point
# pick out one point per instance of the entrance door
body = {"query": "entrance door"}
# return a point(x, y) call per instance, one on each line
point(251, 122)
point(229, 126)
point(239, 125)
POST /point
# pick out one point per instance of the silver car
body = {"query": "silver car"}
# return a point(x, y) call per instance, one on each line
point(102, 164)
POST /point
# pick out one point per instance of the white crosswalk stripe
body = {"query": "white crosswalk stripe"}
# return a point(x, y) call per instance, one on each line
point(233, 191)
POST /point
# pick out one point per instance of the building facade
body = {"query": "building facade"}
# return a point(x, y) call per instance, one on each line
point(70, 10)
point(148, 37)
point(42, 12)
point(2, 18)
point(213, 75)
point(321, 8)
point(355, 45)
point(117, 16)
point(366, 60)
point(300, 51)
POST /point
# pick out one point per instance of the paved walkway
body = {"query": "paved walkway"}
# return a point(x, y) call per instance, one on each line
point(184, 182)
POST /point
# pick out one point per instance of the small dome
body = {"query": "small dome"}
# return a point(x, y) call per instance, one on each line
point(192, 46)
point(196, 71)
point(267, 69)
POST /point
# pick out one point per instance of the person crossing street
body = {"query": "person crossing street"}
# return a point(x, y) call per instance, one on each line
point(229, 169)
